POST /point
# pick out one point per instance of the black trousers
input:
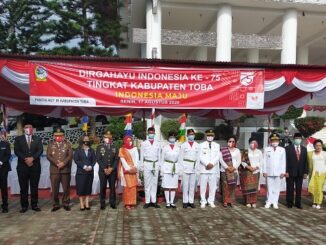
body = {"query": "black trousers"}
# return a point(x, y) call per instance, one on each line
point(28, 179)
point(290, 183)
point(104, 179)
point(4, 187)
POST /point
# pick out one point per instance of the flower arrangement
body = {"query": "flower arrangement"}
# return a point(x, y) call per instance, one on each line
point(307, 126)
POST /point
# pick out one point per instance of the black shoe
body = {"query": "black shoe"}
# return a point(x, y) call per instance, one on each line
point(5, 210)
point(82, 209)
point(155, 205)
point(36, 209)
point(67, 208)
point(192, 205)
point(103, 206)
point(289, 205)
point(173, 205)
point(185, 205)
point(299, 206)
point(113, 206)
point(88, 208)
point(168, 206)
point(23, 210)
point(55, 208)
point(146, 205)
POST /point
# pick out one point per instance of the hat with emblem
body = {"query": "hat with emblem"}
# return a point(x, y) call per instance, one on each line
point(107, 134)
point(274, 136)
point(190, 131)
point(58, 132)
point(209, 132)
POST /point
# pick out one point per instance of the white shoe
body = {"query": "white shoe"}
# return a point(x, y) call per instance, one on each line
point(318, 207)
point(248, 205)
point(267, 205)
point(275, 206)
point(212, 205)
point(203, 205)
point(254, 205)
point(314, 205)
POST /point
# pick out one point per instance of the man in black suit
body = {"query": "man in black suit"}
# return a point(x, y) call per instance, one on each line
point(296, 170)
point(107, 158)
point(4, 169)
point(28, 149)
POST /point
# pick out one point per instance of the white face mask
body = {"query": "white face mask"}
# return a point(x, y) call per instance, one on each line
point(210, 138)
point(151, 136)
point(172, 140)
point(275, 144)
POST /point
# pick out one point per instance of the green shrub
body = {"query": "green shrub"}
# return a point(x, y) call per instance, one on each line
point(169, 125)
point(199, 136)
point(307, 126)
point(138, 129)
point(223, 131)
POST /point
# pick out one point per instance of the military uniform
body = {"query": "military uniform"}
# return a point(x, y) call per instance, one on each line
point(60, 152)
point(107, 157)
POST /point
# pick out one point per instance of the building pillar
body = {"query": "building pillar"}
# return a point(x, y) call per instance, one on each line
point(224, 33)
point(201, 54)
point(303, 55)
point(253, 56)
point(289, 37)
point(154, 30)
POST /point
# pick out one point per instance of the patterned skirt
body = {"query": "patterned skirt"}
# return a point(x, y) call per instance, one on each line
point(228, 191)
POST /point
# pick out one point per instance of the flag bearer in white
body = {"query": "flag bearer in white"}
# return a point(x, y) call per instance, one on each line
point(189, 159)
point(150, 162)
point(209, 168)
point(274, 169)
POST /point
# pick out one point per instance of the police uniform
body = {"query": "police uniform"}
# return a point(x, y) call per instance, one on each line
point(189, 159)
point(107, 157)
point(60, 152)
point(209, 153)
point(274, 166)
point(150, 162)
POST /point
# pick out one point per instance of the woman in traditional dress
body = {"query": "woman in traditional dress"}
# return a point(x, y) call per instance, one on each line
point(252, 162)
point(170, 169)
point(230, 161)
point(128, 172)
point(85, 158)
point(317, 173)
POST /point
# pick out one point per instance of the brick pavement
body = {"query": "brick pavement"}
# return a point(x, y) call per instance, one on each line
point(240, 225)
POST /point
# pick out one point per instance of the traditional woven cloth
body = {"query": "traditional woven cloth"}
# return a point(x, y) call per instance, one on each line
point(231, 178)
point(248, 180)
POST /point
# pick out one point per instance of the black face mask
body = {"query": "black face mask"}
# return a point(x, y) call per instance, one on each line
point(87, 143)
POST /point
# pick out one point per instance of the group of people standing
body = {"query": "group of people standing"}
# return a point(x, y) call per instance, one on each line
point(206, 164)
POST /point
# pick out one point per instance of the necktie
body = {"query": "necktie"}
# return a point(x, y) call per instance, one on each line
point(297, 152)
point(29, 141)
point(210, 145)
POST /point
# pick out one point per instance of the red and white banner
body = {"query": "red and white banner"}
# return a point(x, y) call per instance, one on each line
point(145, 87)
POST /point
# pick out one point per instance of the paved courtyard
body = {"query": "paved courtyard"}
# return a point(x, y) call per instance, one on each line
point(240, 225)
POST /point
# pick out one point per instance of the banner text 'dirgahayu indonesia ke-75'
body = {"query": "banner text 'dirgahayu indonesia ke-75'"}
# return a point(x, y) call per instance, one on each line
point(145, 87)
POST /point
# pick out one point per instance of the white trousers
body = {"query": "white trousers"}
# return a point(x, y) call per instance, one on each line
point(150, 184)
point(188, 187)
point(211, 179)
point(273, 189)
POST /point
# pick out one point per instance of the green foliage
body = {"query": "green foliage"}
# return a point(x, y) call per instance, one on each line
point(116, 127)
point(199, 136)
point(223, 131)
point(307, 126)
point(138, 129)
point(292, 113)
point(169, 125)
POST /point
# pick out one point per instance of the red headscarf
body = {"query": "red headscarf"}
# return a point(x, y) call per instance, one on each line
point(126, 142)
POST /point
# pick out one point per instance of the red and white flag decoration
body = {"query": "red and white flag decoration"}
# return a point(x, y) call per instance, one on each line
point(153, 117)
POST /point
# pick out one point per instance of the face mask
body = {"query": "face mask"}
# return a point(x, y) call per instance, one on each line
point(297, 141)
point(172, 140)
point(87, 143)
point(275, 144)
point(58, 138)
point(253, 146)
point(106, 140)
point(151, 136)
point(191, 137)
point(210, 138)
point(28, 131)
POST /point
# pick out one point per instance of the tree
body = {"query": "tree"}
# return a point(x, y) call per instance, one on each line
point(292, 113)
point(23, 24)
point(169, 125)
point(94, 25)
point(307, 126)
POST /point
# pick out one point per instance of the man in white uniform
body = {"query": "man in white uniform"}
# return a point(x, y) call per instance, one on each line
point(209, 168)
point(274, 169)
point(149, 159)
point(189, 158)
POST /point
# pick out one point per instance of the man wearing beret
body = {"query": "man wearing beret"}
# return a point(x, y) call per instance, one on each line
point(107, 159)
point(296, 170)
point(209, 168)
point(59, 153)
point(150, 153)
point(274, 169)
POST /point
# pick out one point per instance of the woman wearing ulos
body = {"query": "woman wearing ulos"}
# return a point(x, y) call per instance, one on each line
point(230, 161)
point(170, 169)
point(85, 158)
point(128, 172)
point(249, 171)
point(317, 173)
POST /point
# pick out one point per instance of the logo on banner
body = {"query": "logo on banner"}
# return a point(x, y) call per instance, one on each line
point(247, 78)
point(41, 74)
